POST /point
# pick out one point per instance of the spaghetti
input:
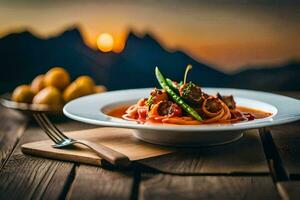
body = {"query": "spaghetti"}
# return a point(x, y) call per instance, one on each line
point(141, 113)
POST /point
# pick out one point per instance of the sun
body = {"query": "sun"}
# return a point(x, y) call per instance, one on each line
point(105, 42)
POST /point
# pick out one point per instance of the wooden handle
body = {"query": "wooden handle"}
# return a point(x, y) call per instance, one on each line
point(108, 154)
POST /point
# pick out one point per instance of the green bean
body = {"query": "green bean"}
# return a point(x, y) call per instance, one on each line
point(175, 97)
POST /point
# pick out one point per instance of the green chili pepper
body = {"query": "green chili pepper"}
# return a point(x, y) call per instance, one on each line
point(175, 97)
point(172, 85)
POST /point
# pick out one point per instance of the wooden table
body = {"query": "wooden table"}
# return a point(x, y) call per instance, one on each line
point(264, 164)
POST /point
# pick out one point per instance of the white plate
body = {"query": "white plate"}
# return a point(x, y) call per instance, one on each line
point(91, 109)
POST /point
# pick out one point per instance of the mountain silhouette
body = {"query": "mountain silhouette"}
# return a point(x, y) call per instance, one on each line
point(286, 77)
point(23, 56)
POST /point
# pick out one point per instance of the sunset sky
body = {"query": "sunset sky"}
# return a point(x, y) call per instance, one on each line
point(227, 36)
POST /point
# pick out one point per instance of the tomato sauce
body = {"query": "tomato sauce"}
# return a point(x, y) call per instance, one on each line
point(247, 114)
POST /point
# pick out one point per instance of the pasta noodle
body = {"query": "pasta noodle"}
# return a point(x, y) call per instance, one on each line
point(186, 104)
point(141, 113)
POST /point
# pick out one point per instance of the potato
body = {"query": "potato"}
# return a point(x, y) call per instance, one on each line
point(38, 83)
point(86, 84)
point(49, 96)
point(73, 91)
point(23, 93)
point(99, 89)
point(57, 77)
point(83, 85)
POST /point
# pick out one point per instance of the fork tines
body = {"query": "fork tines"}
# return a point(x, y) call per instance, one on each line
point(49, 128)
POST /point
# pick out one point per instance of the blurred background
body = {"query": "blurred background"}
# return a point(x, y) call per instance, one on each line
point(234, 43)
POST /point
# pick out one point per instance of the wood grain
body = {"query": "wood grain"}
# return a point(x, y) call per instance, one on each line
point(12, 127)
point(27, 177)
point(206, 187)
point(245, 156)
point(97, 183)
point(287, 141)
point(289, 190)
point(120, 140)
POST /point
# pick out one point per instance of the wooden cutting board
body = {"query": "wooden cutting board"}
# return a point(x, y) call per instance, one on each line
point(118, 139)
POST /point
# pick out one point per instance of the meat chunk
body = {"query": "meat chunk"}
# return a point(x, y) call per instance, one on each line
point(168, 108)
point(191, 92)
point(228, 100)
point(156, 96)
point(213, 105)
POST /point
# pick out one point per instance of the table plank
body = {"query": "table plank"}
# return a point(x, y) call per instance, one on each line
point(12, 126)
point(245, 156)
point(25, 177)
point(33, 177)
point(289, 190)
point(206, 187)
point(286, 139)
point(98, 183)
point(36, 178)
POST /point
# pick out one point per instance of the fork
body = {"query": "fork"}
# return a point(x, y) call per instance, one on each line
point(61, 141)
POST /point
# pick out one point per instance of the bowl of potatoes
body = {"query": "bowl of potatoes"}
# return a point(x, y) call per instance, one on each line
point(49, 92)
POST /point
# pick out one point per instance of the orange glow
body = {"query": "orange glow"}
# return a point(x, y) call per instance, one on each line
point(105, 42)
point(228, 37)
point(119, 42)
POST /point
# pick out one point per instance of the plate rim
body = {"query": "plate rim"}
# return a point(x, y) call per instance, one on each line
point(104, 121)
